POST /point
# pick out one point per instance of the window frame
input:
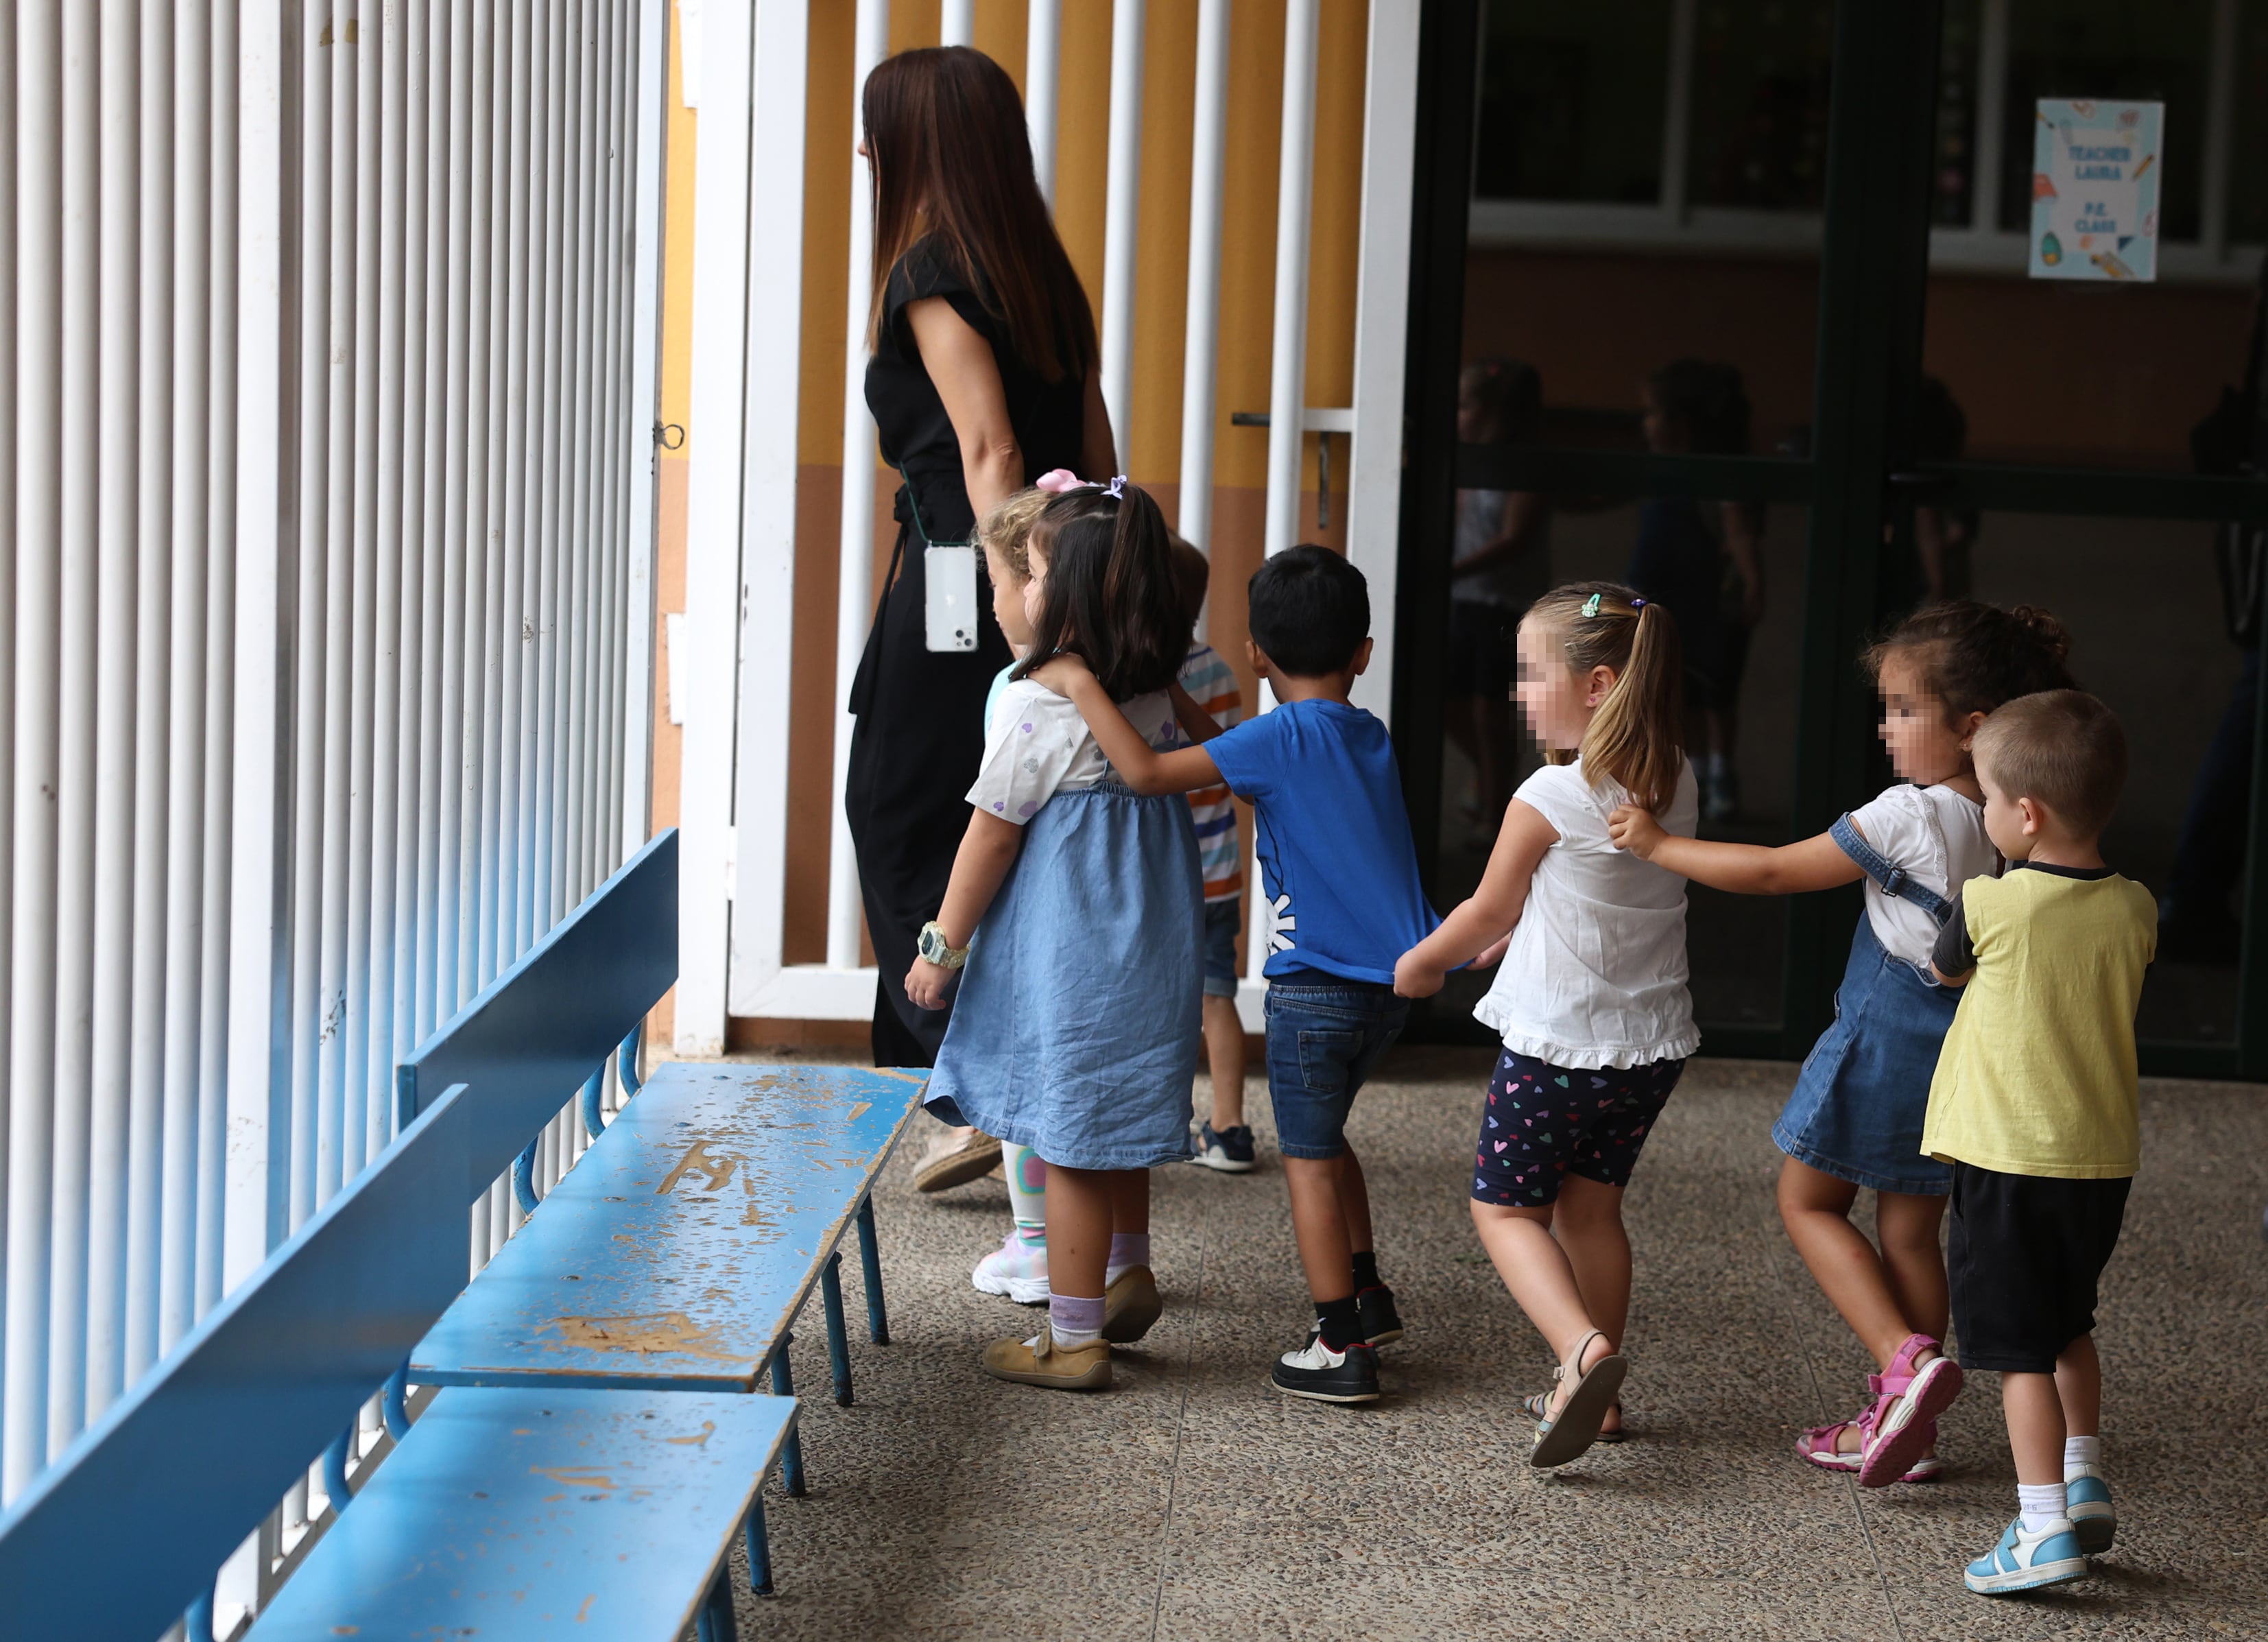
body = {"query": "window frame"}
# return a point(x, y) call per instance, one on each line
point(1674, 225)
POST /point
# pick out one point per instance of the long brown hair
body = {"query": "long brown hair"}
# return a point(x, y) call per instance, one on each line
point(1109, 597)
point(951, 161)
point(1636, 734)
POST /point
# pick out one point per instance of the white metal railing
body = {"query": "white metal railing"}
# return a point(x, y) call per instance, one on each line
point(734, 825)
point(328, 608)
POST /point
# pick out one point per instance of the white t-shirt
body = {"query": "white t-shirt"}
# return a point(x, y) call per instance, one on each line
point(1595, 975)
point(1939, 837)
point(1038, 746)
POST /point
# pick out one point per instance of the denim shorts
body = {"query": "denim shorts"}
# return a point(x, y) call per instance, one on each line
point(1223, 919)
point(1324, 1039)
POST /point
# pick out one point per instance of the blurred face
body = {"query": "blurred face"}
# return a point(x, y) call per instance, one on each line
point(1924, 749)
point(1008, 601)
point(1555, 701)
point(1475, 425)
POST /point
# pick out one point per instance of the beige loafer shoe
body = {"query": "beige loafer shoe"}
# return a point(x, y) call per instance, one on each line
point(1131, 1306)
point(955, 1160)
point(1041, 1362)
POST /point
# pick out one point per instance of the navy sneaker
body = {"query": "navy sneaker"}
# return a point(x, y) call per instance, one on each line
point(1322, 1375)
point(1381, 1324)
point(1227, 1150)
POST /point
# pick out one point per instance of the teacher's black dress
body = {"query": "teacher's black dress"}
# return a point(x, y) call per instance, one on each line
point(920, 735)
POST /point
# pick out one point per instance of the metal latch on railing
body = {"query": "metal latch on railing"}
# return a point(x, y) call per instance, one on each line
point(1323, 422)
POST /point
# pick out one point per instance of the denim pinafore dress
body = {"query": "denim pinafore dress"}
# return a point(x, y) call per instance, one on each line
point(1858, 1104)
point(1078, 1024)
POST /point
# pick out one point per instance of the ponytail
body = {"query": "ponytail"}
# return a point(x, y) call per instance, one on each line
point(1636, 736)
point(1109, 597)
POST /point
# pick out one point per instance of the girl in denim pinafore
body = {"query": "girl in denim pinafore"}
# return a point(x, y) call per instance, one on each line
point(1855, 1118)
point(1075, 913)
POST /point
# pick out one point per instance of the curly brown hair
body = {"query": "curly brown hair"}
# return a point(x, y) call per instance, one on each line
point(1973, 657)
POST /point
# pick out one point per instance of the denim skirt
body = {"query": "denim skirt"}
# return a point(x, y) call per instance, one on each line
point(1858, 1106)
point(1078, 1024)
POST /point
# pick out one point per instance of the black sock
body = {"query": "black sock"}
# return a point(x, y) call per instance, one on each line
point(1341, 1324)
point(1366, 1271)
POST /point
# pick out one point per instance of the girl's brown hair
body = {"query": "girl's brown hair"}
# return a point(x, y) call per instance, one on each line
point(1973, 657)
point(1109, 597)
point(1636, 736)
point(951, 161)
point(1006, 528)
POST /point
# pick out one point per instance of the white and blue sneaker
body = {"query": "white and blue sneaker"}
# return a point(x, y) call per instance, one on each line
point(2086, 1502)
point(2025, 1561)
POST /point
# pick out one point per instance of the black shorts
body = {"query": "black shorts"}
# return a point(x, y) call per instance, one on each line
point(2023, 1256)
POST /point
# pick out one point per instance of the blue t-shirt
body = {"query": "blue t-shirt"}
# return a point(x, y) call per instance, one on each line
point(1336, 860)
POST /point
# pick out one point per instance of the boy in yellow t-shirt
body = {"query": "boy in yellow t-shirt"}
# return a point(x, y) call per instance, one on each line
point(2033, 1104)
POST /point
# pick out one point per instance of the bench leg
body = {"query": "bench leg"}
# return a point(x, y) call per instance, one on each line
point(792, 1451)
point(838, 1348)
point(715, 1622)
point(870, 1260)
point(760, 1547)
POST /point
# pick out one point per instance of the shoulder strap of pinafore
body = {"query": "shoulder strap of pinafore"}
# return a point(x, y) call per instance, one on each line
point(1895, 880)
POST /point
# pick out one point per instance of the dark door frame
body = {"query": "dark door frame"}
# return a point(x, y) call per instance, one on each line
point(1861, 482)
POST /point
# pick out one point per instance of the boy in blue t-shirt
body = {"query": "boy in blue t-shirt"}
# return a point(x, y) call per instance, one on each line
point(1340, 871)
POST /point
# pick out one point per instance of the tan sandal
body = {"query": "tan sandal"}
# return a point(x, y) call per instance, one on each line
point(1569, 1434)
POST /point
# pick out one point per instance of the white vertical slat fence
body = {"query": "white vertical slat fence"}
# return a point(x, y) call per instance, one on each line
point(754, 977)
point(325, 583)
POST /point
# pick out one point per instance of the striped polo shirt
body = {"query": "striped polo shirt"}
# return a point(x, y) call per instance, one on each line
point(1212, 686)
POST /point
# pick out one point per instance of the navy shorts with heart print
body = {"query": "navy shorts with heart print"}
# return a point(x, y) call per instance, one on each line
point(1543, 1123)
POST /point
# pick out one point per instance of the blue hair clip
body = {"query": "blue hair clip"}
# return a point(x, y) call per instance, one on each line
point(1591, 605)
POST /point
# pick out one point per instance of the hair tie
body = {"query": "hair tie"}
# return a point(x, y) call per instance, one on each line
point(1055, 481)
point(1637, 604)
point(1116, 488)
point(1591, 606)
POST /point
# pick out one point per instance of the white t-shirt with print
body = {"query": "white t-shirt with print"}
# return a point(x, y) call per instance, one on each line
point(1939, 837)
point(1038, 746)
point(1595, 975)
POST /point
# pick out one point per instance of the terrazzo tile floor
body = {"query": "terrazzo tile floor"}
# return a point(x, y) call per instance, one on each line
point(1193, 1500)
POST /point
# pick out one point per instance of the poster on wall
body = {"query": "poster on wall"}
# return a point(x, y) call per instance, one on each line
point(2096, 167)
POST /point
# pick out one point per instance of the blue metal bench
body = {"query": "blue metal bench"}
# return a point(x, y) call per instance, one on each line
point(531, 1036)
point(677, 1254)
point(198, 1453)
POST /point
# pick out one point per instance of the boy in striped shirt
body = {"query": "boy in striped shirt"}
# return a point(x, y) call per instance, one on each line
point(1225, 1142)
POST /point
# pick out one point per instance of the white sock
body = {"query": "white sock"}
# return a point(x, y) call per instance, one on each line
point(2078, 1451)
point(2041, 1503)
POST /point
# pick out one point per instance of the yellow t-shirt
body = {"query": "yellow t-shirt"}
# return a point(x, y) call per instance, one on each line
point(2037, 1075)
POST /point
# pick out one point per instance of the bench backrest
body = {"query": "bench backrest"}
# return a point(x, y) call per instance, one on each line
point(536, 1032)
point(187, 1463)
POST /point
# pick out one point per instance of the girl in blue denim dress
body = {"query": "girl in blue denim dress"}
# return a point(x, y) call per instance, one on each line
point(1074, 914)
point(1855, 1117)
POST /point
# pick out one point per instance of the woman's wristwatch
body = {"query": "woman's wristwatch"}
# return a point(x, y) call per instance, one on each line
point(940, 952)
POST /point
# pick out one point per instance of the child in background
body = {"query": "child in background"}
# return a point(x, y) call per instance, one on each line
point(1855, 1118)
point(1017, 1269)
point(1340, 871)
point(2035, 1106)
point(1224, 1142)
point(1591, 999)
point(1074, 908)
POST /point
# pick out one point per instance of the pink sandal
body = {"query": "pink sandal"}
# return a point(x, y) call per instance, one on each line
point(1902, 1423)
point(1821, 1445)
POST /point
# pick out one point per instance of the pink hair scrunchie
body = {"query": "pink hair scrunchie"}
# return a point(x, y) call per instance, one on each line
point(1055, 481)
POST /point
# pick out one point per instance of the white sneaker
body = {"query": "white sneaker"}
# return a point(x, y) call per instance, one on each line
point(1017, 1270)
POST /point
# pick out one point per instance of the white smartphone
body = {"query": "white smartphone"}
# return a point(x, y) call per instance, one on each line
point(950, 572)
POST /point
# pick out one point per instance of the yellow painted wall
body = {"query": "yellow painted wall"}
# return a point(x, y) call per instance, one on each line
point(1150, 449)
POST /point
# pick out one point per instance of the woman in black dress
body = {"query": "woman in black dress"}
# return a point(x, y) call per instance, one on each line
point(984, 377)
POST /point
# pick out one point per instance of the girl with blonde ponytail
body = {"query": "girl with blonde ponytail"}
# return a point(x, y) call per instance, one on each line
point(1591, 1000)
